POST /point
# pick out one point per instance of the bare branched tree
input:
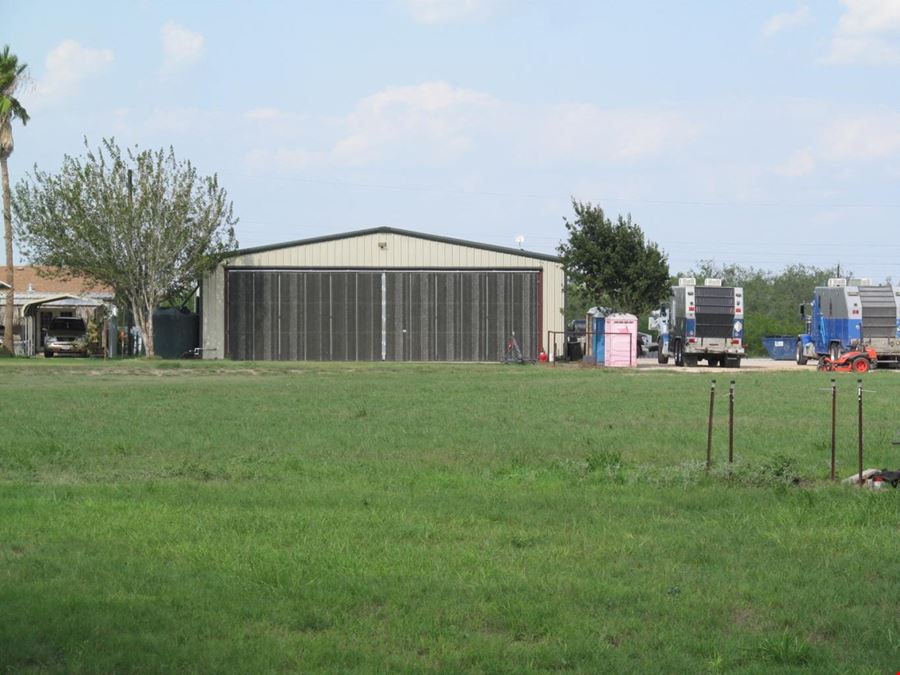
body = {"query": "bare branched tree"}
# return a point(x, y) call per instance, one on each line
point(141, 222)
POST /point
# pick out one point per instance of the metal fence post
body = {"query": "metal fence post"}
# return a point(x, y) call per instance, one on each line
point(709, 433)
point(731, 422)
point(833, 425)
point(859, 401)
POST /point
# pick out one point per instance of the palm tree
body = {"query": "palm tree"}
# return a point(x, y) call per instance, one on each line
point(11, 76)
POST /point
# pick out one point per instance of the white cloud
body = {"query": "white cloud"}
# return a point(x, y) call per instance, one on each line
point(868, 33)
point(870, 16)
point(579, 132)
point(863, 50)
point(66, 66)
point(436, 118)
point(785, 20)
point(833, 139)
point(435, 123)
point(448, 11)
point(801, 163)
point(865, 137)
point(182, 120)
point(284, 158)
point(181, 47)
point(264, 114)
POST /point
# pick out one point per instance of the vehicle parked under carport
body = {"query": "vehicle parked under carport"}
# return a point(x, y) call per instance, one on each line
point(66, 335)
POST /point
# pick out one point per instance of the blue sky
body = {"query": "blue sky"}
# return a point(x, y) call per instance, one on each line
point(763, 133)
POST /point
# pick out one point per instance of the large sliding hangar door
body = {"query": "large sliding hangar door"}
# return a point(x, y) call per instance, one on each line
point(376, 315)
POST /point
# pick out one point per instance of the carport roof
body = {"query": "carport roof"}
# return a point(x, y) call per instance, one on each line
point(393, 230)
point(29, 306)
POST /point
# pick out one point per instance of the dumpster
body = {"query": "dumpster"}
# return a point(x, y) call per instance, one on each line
point(621, 340)
point(574, 350)
point(780, 347)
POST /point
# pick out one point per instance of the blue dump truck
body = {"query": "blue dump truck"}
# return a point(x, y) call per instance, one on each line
point(850, 314)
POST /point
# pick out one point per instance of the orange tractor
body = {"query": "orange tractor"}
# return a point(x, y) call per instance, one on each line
point(855, 361)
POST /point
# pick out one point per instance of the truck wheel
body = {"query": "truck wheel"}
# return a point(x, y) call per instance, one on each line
point(801, 359)
point(690, 361)
point(834, 351)
point(860, 365)
point(679, 354)
point(733, 362)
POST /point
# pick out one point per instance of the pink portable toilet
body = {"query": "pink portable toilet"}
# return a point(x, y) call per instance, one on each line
point(621, 340)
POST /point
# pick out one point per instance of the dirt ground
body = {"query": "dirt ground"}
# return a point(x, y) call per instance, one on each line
point(750, 364)
point(747, 364)
point(754, 364)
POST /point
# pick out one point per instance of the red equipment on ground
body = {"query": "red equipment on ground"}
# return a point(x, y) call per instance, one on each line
point(856, 361)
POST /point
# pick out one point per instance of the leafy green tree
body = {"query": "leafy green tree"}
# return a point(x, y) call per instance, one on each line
point(141, 222)
point(12, 74)
point(611, 264)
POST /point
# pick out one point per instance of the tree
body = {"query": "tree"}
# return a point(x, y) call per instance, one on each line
point(141, 222)
point(12, 74)
point(611, 263)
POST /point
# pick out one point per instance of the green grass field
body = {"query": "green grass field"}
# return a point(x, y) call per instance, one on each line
point(210, 517)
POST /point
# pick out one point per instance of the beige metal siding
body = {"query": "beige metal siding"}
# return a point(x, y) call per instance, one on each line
point(212, 326)
point(389, 250)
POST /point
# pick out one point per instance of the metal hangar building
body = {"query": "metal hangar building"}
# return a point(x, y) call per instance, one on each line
point(380, 294)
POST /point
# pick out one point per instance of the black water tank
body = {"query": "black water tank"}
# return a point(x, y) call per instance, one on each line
point(175, 331)
point(574, 349)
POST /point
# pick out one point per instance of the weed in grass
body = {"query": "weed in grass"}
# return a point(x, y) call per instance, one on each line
point(779, 468)
point(607, 461)
point(715, 663)
point(784, 650)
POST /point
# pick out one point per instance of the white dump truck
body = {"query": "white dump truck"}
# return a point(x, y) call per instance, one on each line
point(701, 323)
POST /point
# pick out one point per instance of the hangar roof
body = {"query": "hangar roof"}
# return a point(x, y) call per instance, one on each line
point(393, 230)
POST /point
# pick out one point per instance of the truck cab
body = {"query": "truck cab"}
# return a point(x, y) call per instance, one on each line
point(849, 314)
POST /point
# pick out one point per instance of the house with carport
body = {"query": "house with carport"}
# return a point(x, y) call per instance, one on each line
point(42, 294)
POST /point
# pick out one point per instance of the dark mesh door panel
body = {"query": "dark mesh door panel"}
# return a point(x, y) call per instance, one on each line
point(240, 323)
point(460, 316)
point(316, 316)
point(337, 315)
point(714, 311)
point(879, 311)
point(367, 321)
